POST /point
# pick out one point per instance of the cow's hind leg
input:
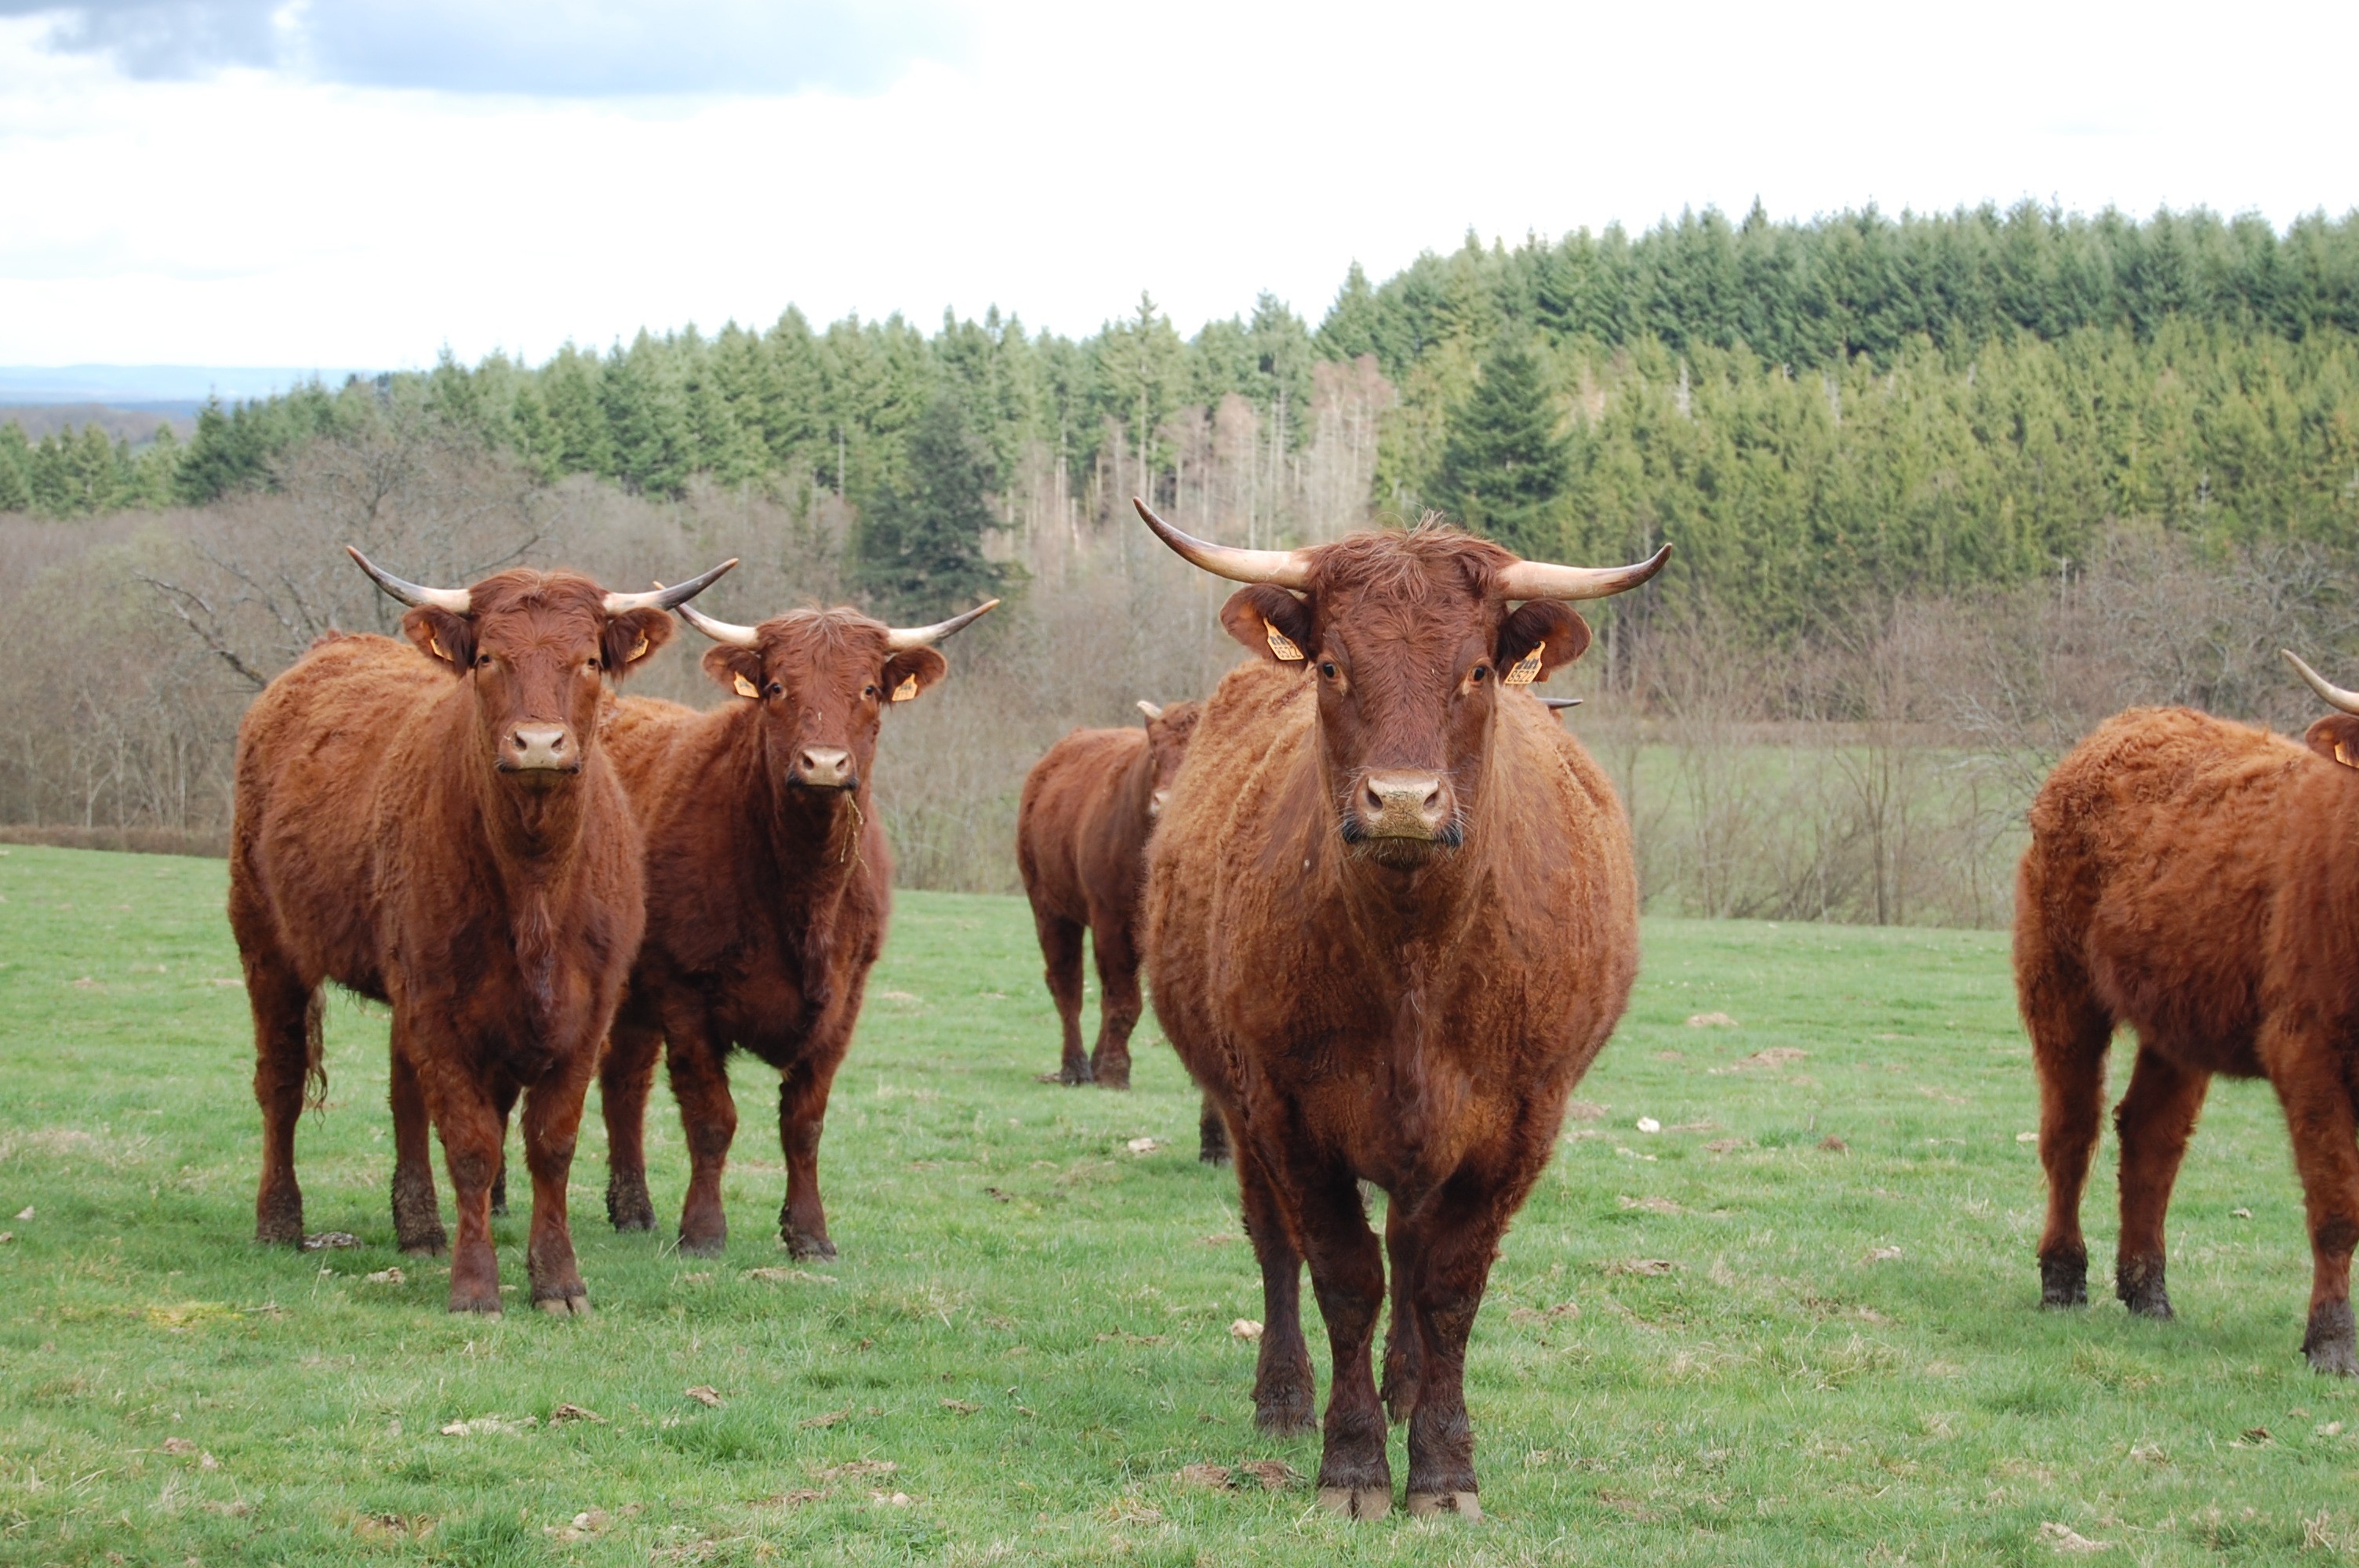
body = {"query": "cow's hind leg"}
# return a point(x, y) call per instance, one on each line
point(1118, 1000)
point(417, 1215)
point(285, 1018)
point(1061, 952)
point(1282, 1391)
point(625, 1075)
point(2319, 1113)
point(552, 1122)
point(2070, 1035)
point(1400, 1330)
point(504, 1099)
point(802, 1117)
point(700, 1082)
point(1211, 1134)
point(2154, 1121)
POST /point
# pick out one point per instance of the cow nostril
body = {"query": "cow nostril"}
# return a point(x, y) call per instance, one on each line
point(1370, 797)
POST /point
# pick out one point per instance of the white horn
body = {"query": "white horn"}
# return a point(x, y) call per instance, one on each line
point(666, 597)
point(2348, 701)
point(1285, 568)
point(454, 600)
point(719, 631)
point(901, 639)
point(1152, 712)
point(1541, 579)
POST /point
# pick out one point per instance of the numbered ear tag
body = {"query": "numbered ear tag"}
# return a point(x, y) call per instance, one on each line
point(2343, 755)
point(1280, 645)
point(436, 643)
point(638, 652)
point(906, 689)
point(745, 687)
point(1526, 670)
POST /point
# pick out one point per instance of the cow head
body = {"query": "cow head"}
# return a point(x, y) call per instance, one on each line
point(823, 679)
point(1408, 637)
point(534, 649)
point(2336, 736)
point(1167, 732)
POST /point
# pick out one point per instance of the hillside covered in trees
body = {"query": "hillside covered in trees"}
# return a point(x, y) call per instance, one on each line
point(1855, 406)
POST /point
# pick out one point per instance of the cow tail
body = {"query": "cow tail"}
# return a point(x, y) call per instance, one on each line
point(315, 1050)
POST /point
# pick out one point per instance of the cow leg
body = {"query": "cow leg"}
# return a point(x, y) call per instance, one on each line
point(1060, 945)
point(504, 1099)
point(417, 1215)
point(1347, 1273)
point(2069, 1036)
point(625, 1075)
point(1211, 1134)
point(282, 1006)
point(465, 1114)
point(2153, 1122)
point(802, 1116)
point(1282, 1391)
point(700, 1082)
point(1400, 1330)
point(1453, 1238)
point(2319, 1113)
point(552, 1122)
point(1118, 1002)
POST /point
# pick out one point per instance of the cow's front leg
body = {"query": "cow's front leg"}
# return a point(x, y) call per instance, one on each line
point(1347, 1273)
point(552, 1120)
point(1451, 1240)
point(469, 1122)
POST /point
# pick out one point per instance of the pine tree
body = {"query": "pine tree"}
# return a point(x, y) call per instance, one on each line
point(920, 551)
point(1350, 328)
point(1504, 468)
point(16, 468)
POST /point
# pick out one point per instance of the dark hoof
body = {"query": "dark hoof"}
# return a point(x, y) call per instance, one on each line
point(574, 1305)
point(801, 1244)
point(433, 1243)
point(1111, 1075)
point(2064, 1282)
point(1357, 1502)
point(628, 1208)
point(2138, 1283)
point(2331, 1344)
point(278, 1217)
point(1460, 1505)
point(712, 1246)
point(1217, 1158)
point(1285, 1414)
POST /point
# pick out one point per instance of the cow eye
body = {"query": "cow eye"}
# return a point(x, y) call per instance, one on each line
point(1326, 668)
point(483, 661)
point(776, 690)
point(1478, 671)
point(596, 666)
point(869, 692)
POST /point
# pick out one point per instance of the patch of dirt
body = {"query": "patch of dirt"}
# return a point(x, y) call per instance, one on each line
point(1644, 1268)
point(1649, 1204)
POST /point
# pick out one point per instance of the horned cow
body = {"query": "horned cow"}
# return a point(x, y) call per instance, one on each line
point(769, 885)
point(1391, 917)
point(2188, 876)
point(436, 825)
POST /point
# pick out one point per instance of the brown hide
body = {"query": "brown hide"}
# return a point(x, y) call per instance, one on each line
point(766, 904)
point(1410, 1012)
point(1081, 843)
point(384, 841)
point(2190, 878)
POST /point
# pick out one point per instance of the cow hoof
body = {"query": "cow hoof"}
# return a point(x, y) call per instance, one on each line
point(1285, 1421)
point(2331, 1344)
point(1110, 1077)
point(432, 1243)
point(483, 1306)
point(1216, 1158)
point(2138, 1283)
point(278, 1219)
point(2063, 1282)
point(629, 1208)
point(1357, 1502)
point(802, 1245)
point(565, 1306)
point(1426, 1505)
point(703, 1246)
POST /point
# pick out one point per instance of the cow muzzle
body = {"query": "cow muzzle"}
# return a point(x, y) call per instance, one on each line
point(823, 767)
point(541, 748)
point(1403, 804)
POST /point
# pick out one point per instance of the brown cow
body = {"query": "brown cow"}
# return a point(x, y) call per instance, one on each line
point(768, 885)
point(1392, 915)
point(2188, 877)
point(436, 827)
point(1081, 844)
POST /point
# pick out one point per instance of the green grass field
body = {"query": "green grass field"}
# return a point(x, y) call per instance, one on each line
point(1795, 1324)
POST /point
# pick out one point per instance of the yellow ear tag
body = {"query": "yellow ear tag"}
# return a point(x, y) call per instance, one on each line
point(638, 652)
point(1281, 646)
point(906, 689)
point(436, 643)
point(2343, 755)
point(745, 687)
point(1526, 670)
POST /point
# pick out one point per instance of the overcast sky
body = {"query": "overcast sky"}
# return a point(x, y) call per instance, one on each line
point(359, 182)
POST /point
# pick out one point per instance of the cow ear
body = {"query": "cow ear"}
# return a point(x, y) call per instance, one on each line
point(2335, 738)
point(445, 638)
point(1537, 641)
point(734, 669)
point(907, 674)
point(1271, 621)
point(632, 636)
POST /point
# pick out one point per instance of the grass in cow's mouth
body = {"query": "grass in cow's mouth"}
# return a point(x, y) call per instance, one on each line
point(1795, 1321)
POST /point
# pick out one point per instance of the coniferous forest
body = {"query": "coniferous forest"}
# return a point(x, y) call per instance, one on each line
point(2006, 435)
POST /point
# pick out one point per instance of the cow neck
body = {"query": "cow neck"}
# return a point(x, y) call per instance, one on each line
point(810, 838)
point(1137, 792)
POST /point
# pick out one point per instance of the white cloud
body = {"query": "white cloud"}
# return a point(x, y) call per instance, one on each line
point(1064, 160)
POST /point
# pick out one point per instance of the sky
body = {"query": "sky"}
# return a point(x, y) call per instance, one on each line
point(363, 183)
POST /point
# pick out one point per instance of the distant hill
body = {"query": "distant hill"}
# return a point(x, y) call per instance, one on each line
point(173, 389)
point(135, 423)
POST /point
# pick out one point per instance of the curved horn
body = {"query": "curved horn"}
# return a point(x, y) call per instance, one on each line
point(1541, 579)
point(1149, 709)
point(1557, 702)
point(719, 631)
point(901, 639)
point(454, 600)
point(1286, 568)
point(2348, 701)
point(666, 597)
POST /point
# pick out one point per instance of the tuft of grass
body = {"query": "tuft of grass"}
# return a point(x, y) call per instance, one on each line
point(1795, 1324)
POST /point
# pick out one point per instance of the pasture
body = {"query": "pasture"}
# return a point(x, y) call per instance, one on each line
point(1795, 1324)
